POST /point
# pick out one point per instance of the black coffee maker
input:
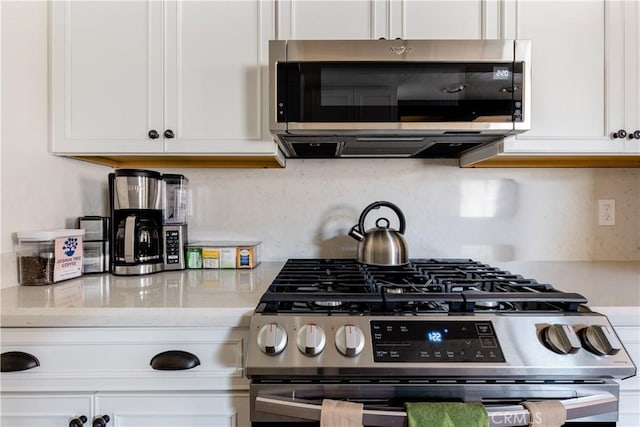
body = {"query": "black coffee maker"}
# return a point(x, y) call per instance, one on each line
point(136, 218)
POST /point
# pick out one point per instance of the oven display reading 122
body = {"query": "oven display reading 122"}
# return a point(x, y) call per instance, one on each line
point(436, 337)
point(431, 341)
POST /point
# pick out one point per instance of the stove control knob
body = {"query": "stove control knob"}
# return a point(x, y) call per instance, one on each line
point(311, 339)
point(272, 339)
point(349, 340)
point(601, 340)
point(561, 338)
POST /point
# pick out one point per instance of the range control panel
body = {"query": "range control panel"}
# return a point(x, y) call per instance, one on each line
point(435, 342)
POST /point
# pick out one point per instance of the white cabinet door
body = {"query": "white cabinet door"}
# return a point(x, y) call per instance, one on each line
point(174, 409)
point(216, 62)
point(407, 19)
point(585, 85)
point(44, 410)
point(106, 76)
point(568, 75)
point(582, 76)
point(328, 20)
point(631, 14)
point(194, 72)
point(442, 19)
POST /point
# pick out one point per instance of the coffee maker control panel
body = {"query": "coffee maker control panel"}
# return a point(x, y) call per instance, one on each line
point(174, 244)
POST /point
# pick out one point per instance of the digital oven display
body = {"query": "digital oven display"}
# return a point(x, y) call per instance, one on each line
point(431, 341)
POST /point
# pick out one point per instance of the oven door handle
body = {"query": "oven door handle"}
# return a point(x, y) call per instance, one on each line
point(499, 416)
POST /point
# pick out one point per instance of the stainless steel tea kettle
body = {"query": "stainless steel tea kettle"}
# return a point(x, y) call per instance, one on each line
point(381, 245)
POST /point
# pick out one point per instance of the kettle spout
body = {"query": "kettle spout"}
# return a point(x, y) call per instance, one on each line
point(356, 234)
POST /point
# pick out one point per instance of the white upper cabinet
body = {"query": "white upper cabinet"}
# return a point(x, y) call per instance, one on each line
point(585, 85)
point(390, 19)
point(329, 20)
point(169, 77)
point(106, 76)
point(442, 19)
point(568, 76)
point(585, 75)
point(631, 20)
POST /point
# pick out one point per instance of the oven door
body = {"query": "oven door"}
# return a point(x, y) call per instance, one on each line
point(275, 403)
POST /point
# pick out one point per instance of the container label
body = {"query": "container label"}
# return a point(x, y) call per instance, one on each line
point(68, 251)
point(210, 258)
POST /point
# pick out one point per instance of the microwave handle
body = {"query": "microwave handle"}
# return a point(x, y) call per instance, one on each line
point(499, 416)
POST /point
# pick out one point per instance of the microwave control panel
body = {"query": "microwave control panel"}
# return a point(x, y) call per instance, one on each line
point(435, 342)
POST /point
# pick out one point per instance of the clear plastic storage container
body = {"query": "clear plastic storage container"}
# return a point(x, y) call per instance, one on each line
point(49, 256)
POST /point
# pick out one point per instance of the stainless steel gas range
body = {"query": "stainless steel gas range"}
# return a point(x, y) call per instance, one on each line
point(433, 330)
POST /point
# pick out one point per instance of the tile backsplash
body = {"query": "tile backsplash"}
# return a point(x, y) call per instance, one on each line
point(307, 209)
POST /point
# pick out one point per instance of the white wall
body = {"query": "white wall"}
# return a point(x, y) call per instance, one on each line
point(306, 209)
point(38, 190)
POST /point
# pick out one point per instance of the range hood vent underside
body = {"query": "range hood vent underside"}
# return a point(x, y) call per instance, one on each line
point(438, 146)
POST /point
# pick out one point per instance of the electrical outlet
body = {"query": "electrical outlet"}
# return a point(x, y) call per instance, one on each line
point(607, 212)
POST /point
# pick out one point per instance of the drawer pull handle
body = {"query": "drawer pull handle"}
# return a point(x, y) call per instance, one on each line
point(13, 361)
point(77, 421)
point(174, 360)
point(101, 421)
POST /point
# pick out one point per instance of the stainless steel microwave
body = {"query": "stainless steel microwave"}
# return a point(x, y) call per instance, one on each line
point(397, 98)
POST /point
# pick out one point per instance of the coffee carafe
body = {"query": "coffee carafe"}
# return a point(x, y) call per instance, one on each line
point(136, 212)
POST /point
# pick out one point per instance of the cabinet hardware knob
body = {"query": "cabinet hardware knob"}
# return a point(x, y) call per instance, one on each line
point(101, 421)
point(153, 134)
point(13, 361)
point(77, 421)
point(174, 360)
point(634, 135)
point(621, 133)
point(169, 134)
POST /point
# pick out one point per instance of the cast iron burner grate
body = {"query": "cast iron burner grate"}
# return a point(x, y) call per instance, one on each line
point(344, 286)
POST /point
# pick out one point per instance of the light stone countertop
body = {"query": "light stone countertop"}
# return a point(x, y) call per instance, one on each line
point(611, 287)
point(228, 297)
point(171, 298)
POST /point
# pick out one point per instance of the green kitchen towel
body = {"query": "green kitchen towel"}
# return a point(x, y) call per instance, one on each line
point(446, 414)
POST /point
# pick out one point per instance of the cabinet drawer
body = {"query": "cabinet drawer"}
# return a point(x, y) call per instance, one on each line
point(119, 358)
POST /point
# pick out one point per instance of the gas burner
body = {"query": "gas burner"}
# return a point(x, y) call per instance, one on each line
point(495, 306)
point(323, 304)
point(488, 304)
point(422, 286)
point(419, 307)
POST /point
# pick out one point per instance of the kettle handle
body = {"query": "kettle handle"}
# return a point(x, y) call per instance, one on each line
point(377, 205)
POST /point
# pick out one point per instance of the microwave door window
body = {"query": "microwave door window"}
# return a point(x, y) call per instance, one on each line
point(397, 92)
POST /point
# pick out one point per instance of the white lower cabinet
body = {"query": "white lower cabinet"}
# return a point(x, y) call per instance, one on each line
point(177, 409)
point(45, 409)
point(630, 388)
point(88, 376)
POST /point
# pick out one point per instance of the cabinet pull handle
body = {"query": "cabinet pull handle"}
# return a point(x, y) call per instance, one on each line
point(153, 134)
point(101, 421)
point(13, 361)
point(621, 133)
point(634, 135)
point(169, 134)
point(174, 360)
point(77, 421)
